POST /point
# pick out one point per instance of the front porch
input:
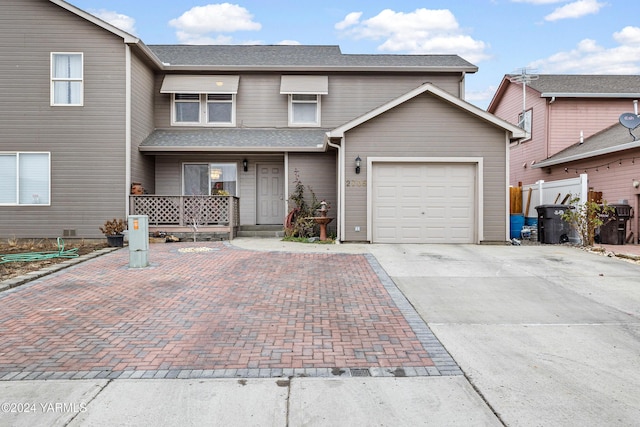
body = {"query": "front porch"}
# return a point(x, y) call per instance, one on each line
point(180, 214)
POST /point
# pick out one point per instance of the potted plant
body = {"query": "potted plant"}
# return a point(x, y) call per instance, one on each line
point(113, 230)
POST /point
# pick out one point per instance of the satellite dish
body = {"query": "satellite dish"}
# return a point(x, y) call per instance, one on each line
point(630, 120)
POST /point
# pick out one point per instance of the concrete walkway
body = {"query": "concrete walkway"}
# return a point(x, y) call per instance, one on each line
point(545, 335)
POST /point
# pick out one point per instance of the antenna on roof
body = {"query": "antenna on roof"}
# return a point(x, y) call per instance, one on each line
point(523, 75)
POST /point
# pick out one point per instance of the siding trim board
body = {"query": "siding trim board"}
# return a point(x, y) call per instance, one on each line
point(478, 162)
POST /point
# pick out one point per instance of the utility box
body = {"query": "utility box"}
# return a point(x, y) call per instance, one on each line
point(138, 241)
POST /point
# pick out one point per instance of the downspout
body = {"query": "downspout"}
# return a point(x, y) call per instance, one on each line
point(340, 209)
point(461, 87)
point(127, 127)
point(548, 130)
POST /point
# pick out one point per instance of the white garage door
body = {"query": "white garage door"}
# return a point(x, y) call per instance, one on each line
point(423, 203)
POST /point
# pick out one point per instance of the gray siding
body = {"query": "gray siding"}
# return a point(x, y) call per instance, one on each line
point(86, 143)
point(260, 104)
point(427, 127)
point(319, 172)
point(142, 122)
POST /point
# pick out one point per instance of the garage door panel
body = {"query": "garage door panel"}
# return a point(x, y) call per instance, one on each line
point(423, 203)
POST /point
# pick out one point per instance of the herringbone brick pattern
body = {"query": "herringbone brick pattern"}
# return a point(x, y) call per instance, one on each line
point(215, 308)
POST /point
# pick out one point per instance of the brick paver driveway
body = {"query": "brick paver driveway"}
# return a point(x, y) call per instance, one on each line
point(212, 310)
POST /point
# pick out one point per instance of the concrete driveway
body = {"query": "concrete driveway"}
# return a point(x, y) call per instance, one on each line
point(548, 335)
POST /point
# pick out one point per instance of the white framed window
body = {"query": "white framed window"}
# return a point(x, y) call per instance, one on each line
point(25, 178)
point(215, 179)
point(67, 79)
point(524, 122)
point(220, 108)
point(186, 108)
point(304, 110)
point(213, 109)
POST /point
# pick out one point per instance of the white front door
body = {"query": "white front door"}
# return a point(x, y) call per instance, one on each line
point(270, 193)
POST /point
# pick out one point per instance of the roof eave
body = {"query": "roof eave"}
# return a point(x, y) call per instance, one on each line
point(587, 155)
point(196, 148)
point(588, 95)
point(314, 68)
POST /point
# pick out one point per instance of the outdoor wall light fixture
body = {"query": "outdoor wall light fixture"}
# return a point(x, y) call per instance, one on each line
point(358, 160)
point(245, 165)
point(636, 183)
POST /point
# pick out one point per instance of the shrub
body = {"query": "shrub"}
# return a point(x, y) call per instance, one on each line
point(299, 222)
point(586, 217)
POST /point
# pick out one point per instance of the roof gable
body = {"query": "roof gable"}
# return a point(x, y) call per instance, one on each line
point(516, 132)
point(574, 86)
point(128, 38)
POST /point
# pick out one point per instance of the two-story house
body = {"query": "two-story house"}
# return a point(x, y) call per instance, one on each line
point(225, 132)
point(573, 126)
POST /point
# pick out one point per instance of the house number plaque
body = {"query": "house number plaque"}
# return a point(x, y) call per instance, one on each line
point(356, 183)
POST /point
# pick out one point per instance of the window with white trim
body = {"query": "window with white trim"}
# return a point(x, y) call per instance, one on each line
point(213, 109)
point(215, 179)
point(25, 178)
point(524, 122)
point(304, 110)
point(67, 79)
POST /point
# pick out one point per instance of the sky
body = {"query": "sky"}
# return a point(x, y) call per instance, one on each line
point(498, 36)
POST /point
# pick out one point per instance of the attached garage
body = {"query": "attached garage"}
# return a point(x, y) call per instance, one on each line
point(426, 168)
point(423, 202)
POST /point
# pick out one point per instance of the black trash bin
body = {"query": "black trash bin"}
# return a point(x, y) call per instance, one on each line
point(614, 229)
point(552, 229)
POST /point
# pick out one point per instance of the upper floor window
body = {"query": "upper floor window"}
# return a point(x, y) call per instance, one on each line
point(67, 79)
point(25, 178)
point(213, 109)
point(202, 100)
point(304, 110)
point(304, 98)
point(524, 121)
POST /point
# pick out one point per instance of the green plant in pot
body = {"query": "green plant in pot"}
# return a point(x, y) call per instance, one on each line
point(113, 230)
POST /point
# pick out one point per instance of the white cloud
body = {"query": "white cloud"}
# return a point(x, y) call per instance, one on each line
point(576, 9)
point(422, 31)
point(196, 24)
point(589, 57)
point(536, 2)
point(124, 22)
point(350, 20)
point(289, 42)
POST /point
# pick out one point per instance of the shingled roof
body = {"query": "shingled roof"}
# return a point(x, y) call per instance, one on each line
point(613, 139)
point(579, 84)
point(291, 57)
point(234, 139)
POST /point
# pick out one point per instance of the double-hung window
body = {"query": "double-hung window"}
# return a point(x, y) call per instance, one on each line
point(202, 100)
point(304, 98)
point(67, 79)
point(186, 107)
point(25, 178)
